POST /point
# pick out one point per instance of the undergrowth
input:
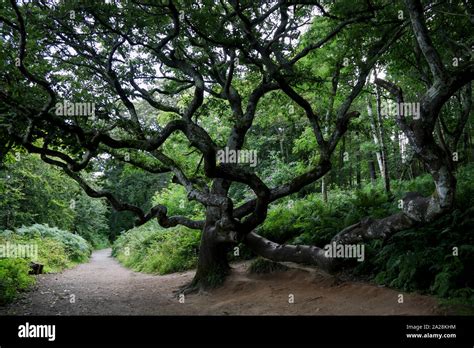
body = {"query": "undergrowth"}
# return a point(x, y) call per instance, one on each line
point(152, 249)
point(55, 249)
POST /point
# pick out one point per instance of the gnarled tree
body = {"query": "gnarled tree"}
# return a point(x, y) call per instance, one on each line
point(175, 55)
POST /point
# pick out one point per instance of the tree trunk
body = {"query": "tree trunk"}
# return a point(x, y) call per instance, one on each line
point(375, 136)
point(324, 189)
point(467, 154)
point(282, 150)
point(358, 166)
point(348, 157)
point(383, 150)
point(213, 265)
point(307, 254)
point(372, 171)
point(397, 157)
point(342, 176)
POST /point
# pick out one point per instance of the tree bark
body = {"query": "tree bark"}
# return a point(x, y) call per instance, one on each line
point(306, 254)
point(213, 265)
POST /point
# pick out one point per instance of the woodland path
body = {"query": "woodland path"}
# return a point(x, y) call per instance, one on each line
point(104, 287)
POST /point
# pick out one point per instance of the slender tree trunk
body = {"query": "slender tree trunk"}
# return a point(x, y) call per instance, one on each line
point(358, 169)
point(282, 149)
point(350, 175)
point(348, 157)
point(442, 139)
point(375, 136)
point(324, 190)
point(372, 171)
point(467, 155)
point(469, 145)
point(342, 176)
point(381, 127)
point(397, 157)
point(328, 116)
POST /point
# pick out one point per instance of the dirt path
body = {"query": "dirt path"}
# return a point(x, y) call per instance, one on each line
point(104, 287)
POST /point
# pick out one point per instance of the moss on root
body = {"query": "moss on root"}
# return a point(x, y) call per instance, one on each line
point(262, 266)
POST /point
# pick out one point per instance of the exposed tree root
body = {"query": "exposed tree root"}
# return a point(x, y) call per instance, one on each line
point(189, 288)
point(416, 209)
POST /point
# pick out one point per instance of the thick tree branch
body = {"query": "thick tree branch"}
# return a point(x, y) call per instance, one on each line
point(415, 9)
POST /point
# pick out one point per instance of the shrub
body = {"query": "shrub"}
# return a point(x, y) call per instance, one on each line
point(152, 249)
point(13, 278)
point(76, 247)
point(28, 183)
point(423, 258)
point(57, 250)
point(52, 254)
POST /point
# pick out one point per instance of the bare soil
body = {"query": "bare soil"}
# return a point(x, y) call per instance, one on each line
point(104, 287)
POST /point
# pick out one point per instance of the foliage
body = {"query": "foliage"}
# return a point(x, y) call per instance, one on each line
point(36, 193)
point(465, 188)
point(174, 197)
point(311, 221)
point(13, 278)
point(76, 248)
point(33, 192)
point(152, 249)
point(56, 251)
point(436, 258)
point(91, 221)
point(131, 185)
